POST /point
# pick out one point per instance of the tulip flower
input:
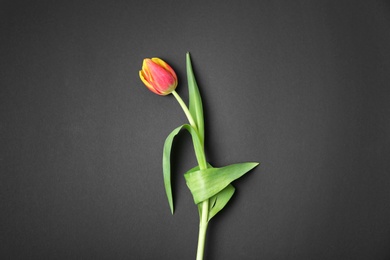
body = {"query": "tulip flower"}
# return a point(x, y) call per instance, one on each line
point(158, 76)
point(210, 186)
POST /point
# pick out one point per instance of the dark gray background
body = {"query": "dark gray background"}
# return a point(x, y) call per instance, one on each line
point(300, 86)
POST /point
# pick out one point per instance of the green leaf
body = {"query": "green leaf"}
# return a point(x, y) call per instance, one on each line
point(167, 157)
point(198, 146)
point(204, 184)
point(167, 165)
point(219, 201)
point(195, 101)
point(196, 168)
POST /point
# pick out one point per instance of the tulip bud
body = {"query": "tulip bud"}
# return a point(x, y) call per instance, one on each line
point(158, 76)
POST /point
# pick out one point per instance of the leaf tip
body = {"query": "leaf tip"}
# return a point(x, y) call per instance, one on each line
point(252, 164)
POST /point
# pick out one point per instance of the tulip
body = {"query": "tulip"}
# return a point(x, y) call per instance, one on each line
point(158, 76)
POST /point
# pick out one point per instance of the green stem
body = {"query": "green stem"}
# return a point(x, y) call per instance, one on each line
point(185, 109)
point(203, 222)
point(202, 230)
point(202, 166)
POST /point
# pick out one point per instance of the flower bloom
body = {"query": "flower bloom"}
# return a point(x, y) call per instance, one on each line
point(158, 76)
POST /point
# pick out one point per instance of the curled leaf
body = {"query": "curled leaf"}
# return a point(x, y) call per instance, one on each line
point(219, 201)
point(204, 184)
point(166, 161)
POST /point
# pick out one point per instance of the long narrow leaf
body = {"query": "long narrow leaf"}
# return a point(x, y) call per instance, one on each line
point(166, 161)
point(198, 147)
point(195, 100)
point(204, 184)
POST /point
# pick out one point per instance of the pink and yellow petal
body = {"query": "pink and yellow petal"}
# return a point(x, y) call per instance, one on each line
point(147, 84)
point(165, 66)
